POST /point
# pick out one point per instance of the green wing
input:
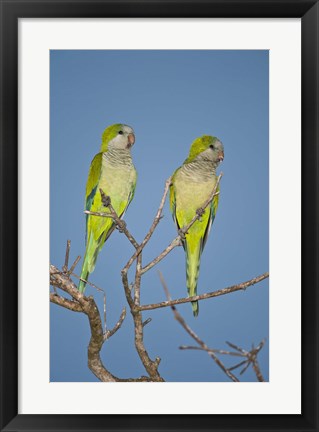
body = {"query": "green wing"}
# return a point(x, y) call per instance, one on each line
point(91, 185)
point(172, 202)
point(212, 214)
point(130, 197)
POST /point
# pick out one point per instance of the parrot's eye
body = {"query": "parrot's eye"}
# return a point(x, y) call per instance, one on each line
point(212, 147)
point(120, 132)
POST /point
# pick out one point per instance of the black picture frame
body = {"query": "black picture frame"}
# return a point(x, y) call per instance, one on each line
point(11, 11)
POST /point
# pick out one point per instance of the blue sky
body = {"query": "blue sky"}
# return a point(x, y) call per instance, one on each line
point(169, 98)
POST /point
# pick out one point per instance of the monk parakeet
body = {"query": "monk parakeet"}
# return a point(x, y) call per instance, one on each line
point(192, 184)
point(111, 170)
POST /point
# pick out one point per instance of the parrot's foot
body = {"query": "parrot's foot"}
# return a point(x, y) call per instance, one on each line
point(121, 226)
point(200, 211)
point(181, 234)
point(106, 200)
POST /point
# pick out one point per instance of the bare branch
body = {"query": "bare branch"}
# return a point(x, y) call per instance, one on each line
point(216, 351)
point(127, 289)
point(60, 279)
point(257, 371)
point(237, 348)
point(171, 246)
point(137, 282)
point(233, 288)
point(150, 366)
point(66, 303)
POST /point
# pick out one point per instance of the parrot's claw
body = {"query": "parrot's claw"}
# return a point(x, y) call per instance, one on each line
point(121, 226)
point(181, 234)
point(200, 211)
point(106, 200)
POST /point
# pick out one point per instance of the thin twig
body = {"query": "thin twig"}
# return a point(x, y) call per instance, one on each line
point(216, 351)
point(238, 365)
point(174, 243)
point(72, 268)
point(237, 348)
point(147, 321)
point(67, 253)
point(110, 333)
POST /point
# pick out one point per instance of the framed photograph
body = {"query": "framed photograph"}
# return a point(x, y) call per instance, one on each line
point(161, 159)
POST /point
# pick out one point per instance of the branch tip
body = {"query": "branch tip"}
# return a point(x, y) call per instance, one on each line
point(147, 321)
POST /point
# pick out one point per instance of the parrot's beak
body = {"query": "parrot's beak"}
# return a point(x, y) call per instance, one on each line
point(221, 156)
point(130, 140)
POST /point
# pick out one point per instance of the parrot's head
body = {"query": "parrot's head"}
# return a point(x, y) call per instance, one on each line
point(207, 148)
point(117, 136)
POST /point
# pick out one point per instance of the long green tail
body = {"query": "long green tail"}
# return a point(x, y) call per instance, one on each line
point(84, 275)
point(192, 273)
point(91, 253)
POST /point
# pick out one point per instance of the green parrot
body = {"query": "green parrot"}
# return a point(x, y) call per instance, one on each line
point(192, 184)
point(111, 170)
